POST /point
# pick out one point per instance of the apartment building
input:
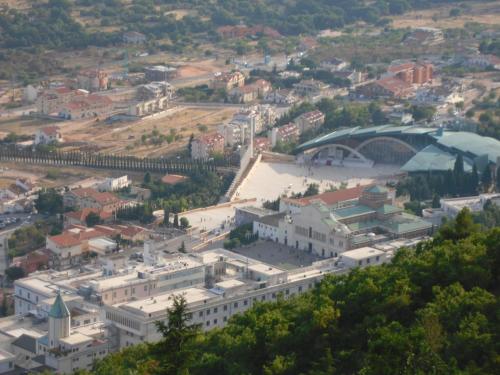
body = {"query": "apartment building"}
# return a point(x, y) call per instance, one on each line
point(207, 145)
point(310, 121)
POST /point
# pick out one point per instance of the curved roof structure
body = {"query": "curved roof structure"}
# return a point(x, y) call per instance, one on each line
point(359, 132)
point(427, 148)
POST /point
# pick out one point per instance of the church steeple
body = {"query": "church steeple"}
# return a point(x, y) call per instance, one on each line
point(59, 321)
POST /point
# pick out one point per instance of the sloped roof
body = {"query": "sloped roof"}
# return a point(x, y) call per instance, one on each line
point(59, 309)
point(471, 143)
point(26, 342)
point(377, 189)
point(432, 158)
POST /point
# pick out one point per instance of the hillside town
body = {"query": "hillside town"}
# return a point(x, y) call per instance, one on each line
point(233, 165)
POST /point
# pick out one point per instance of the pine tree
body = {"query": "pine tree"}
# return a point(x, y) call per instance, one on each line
point(190, 144)
point(498, 179)
point(147, 178)
point(176, 221)
point(435, 201)
point(486, 178)
point(166, 217)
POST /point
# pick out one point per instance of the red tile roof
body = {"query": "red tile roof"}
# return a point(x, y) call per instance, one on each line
point(101, 198)
point(83, 213)
point(172, 179)
point(50, 130)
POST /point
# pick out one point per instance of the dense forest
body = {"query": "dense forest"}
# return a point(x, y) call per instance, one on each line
point(433, 310)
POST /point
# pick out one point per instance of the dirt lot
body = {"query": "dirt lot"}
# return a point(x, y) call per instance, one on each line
point(488, 14)
point(61, 176)
point(125, 138)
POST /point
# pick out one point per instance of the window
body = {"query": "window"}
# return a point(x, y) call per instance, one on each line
point(126, 292)
point(215, 321)
point(287, 292)
point(215, 310)
point(208, 311)
point(274, 295)
point(377, 258)
point(200, 314)
point(207, 323)
point(300, 288)
point(225, 319)
point(236, 305)
point(263, 298)
point(145, 288)
point(225, 307)
point(245, 302)
point(133, 290)
point(368, 260)
point(359, 263)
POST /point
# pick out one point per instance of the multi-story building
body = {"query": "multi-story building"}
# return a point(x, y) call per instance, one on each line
point(89, 106)
point(284, 134)
point(282, 96)
point(159, 73)
point(92, 80)
point(114, 184)
point(333, 64)
point(228, 81)
point(389, 87)
point(155, 90)
point(51, 101)
point(328, 231)
point(310, 88)
point(310, 121)
point(91, 198)
point(412, 73)
point(48, 135)
point(207, 145)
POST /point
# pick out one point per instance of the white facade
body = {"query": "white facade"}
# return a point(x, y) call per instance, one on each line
point(363, 257)
point(6, 361)
point(113, 184)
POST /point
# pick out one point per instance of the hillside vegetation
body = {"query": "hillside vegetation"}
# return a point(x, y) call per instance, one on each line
point(433, 310)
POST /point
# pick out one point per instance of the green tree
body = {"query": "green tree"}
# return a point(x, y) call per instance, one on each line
point(147, 178)
point(176, 349)
point(92, 219)
point(14, 273)
point(182, 248)
point(184, 223)
point(176, 221)
point(49, 201)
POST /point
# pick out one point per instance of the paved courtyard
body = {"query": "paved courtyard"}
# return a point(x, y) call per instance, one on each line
point(268, 181)
point(277, 255)
point(214, 218)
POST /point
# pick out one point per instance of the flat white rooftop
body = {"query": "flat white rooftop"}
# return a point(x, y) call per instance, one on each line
point(157, 305)
point(76, 338)
point(361, 253)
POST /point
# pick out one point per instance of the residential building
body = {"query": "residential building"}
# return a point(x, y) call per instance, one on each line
point(113, 184)
point(390, 87)
point(48, 135)
point(310, 88)
point(352, 75)
point(483, 61)
point(228, 81)
point(284, 134)
point(159, 73)
point(92, 80)
point(89, 106)
point(310, 121)
point(155, 90)
point(79, 217)
point(234, 133)
point(52, 100)
point(69, 248)
point(282, 96)
point(412, 73)
point(261, 144)
point(207, 145)
point(91, 198)
point(333, 64)
point(134, 37)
